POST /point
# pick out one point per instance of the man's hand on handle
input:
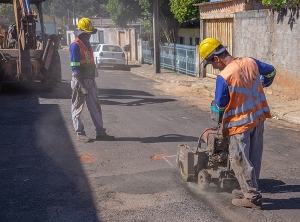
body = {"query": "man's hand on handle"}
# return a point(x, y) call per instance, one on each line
point(84, 91)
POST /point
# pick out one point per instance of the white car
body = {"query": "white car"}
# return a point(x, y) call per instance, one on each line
point(109, 55)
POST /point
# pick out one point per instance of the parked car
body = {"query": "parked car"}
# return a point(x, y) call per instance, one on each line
point(94, 45)
point(109, 55)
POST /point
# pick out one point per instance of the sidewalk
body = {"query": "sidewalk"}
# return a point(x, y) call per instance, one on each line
point(281, 108)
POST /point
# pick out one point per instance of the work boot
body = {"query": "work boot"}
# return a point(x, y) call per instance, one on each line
point(104, 137)
point(238, 194)
point(254, 204)
point(84, 138)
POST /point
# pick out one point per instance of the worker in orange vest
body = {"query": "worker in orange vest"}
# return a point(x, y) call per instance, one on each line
point(84, 87)
point(239, 95)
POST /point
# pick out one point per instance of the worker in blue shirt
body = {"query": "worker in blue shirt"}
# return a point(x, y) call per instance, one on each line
point(267, 73)
point(84, 88)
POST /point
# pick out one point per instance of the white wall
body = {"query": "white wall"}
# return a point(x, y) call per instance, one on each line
point(189, 33)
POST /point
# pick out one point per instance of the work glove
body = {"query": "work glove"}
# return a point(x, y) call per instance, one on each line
point(84, 91)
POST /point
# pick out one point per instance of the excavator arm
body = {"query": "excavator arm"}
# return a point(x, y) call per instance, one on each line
point(25, 25)
point(25, 21)
point(26, 58)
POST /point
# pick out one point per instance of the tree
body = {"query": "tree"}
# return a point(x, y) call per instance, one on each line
point(7, 11)
point(168, 23)
point(185, 10)
point(83, 8)
point(57, 8)
point(123, 12)
point(171, 14)
point(279, 4)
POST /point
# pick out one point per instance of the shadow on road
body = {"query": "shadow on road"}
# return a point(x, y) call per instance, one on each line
point(108, 95)
point(36, 89)
point(158, 139)
point(279, 204)
point(278, 186)
point(122, 92)
point(41, 176)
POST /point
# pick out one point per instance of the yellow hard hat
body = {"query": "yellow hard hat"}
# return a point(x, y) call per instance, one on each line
point(86, 26)
point(208, 46)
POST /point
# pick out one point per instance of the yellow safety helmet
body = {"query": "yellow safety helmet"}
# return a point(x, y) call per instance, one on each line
point(208, 46)
point(85, 25)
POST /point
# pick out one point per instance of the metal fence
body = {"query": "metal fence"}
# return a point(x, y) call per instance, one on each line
point(147, 52)
point(180, 58)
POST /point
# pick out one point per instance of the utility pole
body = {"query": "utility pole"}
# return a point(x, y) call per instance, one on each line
point(156, 36)
point(68, 17)
point(74, 14)
point(53, 13)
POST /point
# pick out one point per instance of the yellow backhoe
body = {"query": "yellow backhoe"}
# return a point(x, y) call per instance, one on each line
point(25, 55)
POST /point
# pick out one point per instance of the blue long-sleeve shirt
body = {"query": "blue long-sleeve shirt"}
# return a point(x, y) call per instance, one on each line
point(266, 71)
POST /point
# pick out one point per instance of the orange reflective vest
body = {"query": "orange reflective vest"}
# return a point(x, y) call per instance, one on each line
point(86, 66)
point(247, 106)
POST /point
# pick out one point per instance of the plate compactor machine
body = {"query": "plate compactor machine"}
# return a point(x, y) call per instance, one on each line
point(209, 161)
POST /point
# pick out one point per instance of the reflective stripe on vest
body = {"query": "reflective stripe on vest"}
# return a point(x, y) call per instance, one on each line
point(86, 55)
point(248, 119)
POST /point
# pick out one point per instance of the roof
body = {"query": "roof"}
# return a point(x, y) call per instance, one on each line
point(194, 23)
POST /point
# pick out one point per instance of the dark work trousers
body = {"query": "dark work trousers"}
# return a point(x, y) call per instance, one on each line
point(245, 153)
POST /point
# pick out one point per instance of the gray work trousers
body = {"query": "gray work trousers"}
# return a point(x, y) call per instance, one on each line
point(92, 102)
point(245, 153)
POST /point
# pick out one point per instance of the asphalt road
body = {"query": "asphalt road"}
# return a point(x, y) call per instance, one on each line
point(47, 175)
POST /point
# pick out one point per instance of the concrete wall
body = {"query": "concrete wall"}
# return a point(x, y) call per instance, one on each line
point(271, 37)
point(70, 37)
point(130, 38)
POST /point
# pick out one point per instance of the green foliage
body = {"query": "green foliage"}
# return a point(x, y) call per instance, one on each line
point(146, 16)
point(171, 14)
point(169, 25)
point(123, 12)
point(56, 8)
point(279, 4)
point(184, 10)
point(7, 11)
point(62, 9)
